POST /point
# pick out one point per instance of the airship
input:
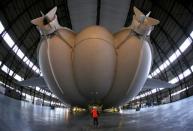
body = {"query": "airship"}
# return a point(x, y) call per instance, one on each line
point(95, 66)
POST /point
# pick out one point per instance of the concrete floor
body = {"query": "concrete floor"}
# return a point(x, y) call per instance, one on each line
point(23, 116)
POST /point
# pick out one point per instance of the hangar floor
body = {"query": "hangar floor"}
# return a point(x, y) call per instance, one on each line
point(23, 116)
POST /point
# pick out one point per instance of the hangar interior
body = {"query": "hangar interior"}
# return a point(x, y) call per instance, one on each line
point(171, 40)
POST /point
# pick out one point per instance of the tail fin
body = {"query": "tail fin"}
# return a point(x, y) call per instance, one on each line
point(140, 17)
point(151, 21)
point(138, 13)
point(143, 24)
point(50, 16)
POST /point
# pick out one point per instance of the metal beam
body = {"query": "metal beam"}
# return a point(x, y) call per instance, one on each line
point(98, 12)
point(173, 44)
point(164, 53)
point(67, 13)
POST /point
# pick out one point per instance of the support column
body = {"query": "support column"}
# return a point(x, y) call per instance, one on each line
point(170, 95)
point(34, 95)
point(43, 98)
point(21, 91)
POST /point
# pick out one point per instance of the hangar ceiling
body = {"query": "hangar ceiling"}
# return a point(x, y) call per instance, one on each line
point(171, 39)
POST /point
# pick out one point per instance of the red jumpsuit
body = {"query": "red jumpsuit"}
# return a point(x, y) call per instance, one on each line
point(95, 115)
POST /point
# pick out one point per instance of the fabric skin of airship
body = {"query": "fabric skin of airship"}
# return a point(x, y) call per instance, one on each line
point(94, 65)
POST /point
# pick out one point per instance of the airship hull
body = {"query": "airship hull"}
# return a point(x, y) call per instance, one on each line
point(94, 62)
point(55, 59)
point(134, 59)
point(95, 66)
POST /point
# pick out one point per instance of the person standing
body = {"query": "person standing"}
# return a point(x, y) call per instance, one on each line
point(95, 115)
